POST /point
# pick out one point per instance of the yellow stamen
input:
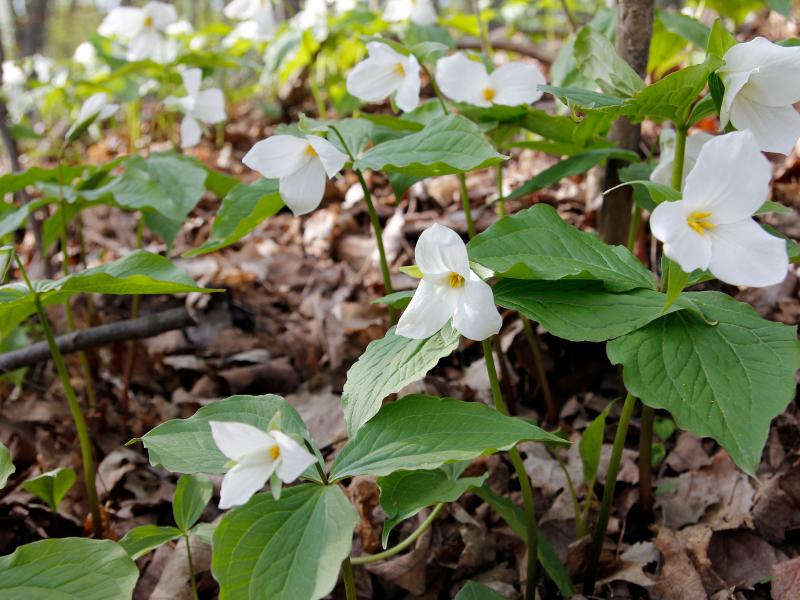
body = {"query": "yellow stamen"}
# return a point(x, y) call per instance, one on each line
point(274, 452)
point(698, 221)
point(455, 280)
point(148, 21)
point(310, 151)
point(399, 69)
point(489, 94)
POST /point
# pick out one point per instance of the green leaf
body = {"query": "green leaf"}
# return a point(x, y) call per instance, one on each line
point(450, 144)
point(398, 300)
point(387, 366)
point(143, 540)
point(424, 432)
point(204, 532)
point(405, 493)
point(13, 182)
point(15, 218)
point(687, 27)
point(477, 591)
point(705, 109)
point(783, 7)
point(591, 446)
point(773, 207)
point(289, 549)
point(68, 569)
point(51, 487)
point(676, 281)
point(191, 497)
point(726, 381)
point(597, 59)
point(583, 98)
point(7, 467)
point(186, 445)
point(244, 208)
point(574, 165)
point(720, 40)
point(537, 243)
point(658, 192)
point(138, 273)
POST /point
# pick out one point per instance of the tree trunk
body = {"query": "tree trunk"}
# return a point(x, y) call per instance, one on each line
point(34, 34)
point(634, 31)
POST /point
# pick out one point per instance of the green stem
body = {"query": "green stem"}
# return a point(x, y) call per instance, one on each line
point(462, 179)
point(131, 346)
point(551, 415)
point(522, 475)
point(633, 228)
point(501, 201)
point(349, 580)
point(395, 550)
point(436, 90)
point(486, 46)
point(608, 495)
point(680, 157)
point(191, 566)
point(580, 521)
point(74, 407)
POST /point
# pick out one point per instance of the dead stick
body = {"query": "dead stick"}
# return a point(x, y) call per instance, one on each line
point(143, 327)
point(522, 48)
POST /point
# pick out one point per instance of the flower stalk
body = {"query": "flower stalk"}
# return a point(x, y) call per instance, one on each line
point(395, 550)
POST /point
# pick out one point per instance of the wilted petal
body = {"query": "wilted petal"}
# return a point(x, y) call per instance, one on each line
point(462, 79)
point(407, 96)
point(244, 480)
point(294, 458)
point(682, 244)
point(775, 79)
point(192, 78)
point(429, 310)
point(743, 253)
point(191, 132)
point(476, 316)
point(236, 440)
point(776, 129)
point(92, 107)
point(440, 251)
point(516, 83)
point(278, 156)
point(302, 191)
point(332, 159)
point(209, 106)
point(124, 21)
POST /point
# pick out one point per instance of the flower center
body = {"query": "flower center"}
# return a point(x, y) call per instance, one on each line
point(399, 69)
point(489, 94)
point(698, 221)
point(310, 151)
point(455, 280)
point(275, 452)
point(148, 21)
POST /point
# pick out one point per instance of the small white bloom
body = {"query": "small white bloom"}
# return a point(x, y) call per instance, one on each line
point(711, 226)
point(448, 289)
point(199, 106)
point(96, 108)
point(258, 20)
point(301, 164)
point(384, 73)
point(314, 16)
point(258, 455)
point(143, 28)
point(466, 80)
point(182, 27)
point(419, 12)
point(762, 82)
point(694, 143)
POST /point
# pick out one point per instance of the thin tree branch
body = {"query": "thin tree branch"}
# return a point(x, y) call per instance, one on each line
point(499, 43)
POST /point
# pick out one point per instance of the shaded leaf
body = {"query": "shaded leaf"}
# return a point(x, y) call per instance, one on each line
point(143, 540)
point(192, 494)
point(51, 487)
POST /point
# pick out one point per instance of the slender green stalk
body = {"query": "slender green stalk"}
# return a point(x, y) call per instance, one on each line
point(486, 45)
point(580, 520)
point(127, 372)
point(608, 495)
point(680, 157)
point(349, 580)
point(551, 415)
point(74, 408)
point(522, 475)
point(501, 200)
point(633, 228)
point(436, 90)
point(395, 550)
point(462, 179)
point(646, 463)
point(573, 23)
point(191, 566)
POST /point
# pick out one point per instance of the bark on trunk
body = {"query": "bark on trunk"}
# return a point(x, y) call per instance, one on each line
point(634, 31)
point(35, 30)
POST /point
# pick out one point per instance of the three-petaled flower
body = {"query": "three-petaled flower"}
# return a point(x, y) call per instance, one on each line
point(448, 289)
point(384, 73)
point(712, 228)
point(419, 12)
point(142, 27)
point(205, 106)
point(256, 456)
point(96, 108)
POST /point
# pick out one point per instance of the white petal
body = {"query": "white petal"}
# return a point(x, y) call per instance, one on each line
point(236, 440)
point(294, 458)
point(209, 106)
point(397, 10)
point(332, 159)
point(476, 316)
point(242, 481)
point(384, 53)
point(146, 44)
point(441, 251)
point(429, 310)
point(373, 81)
point(744, 254)
point(107, 111)
point(278, 156)
point(191, 132)
point(423, 13)
point(775, 80)
point(302, 191)
point(407, 97)
point(730, 179)
point(241, 9)
point(163, 14)
point(462, 79)
point(663, 171)
point(682, 244)
point(92, 107)
point(516, 83)
point(776, 129)
point(192, 78)
point(125, 21)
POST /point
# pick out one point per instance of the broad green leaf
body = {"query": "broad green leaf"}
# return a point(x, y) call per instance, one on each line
point(591, 446)
point(68, 569)
point(387, 366)
point(143, 540)
point(537, 243)
point(597, 59)
point(14, 219)
point(192, 494)
point(424, 432)
point(205, 532)
point(583, 98)
point(687, 27)
point(658, 192)
point(582, 311)
point(720, 40)
point(138, 273)
point(477, 591)
point(735, 9)
point(242, 210)
point(13, 182)
point(515, 517)
point(289, 549)
point(405, 493)
point(219, 184)
point(677, 280)
point(574, 165)
point(705, 109)
point(783, 7)
point(356, 134)
point(51, 487)
point(7, 467)
point(397, 300)
point(186, 445)
point(450, 144)
point(724, 381)
point(773, 207)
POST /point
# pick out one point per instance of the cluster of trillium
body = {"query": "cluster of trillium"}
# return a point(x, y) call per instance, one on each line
point(727, 179)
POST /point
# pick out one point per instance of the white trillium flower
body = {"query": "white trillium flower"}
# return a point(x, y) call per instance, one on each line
point(419, 12)
point(711, 226)
point(466, 80)
point(314, 16)
point(301, 164)
point(258, 20)
point(448, 289)
point(199, 106)
point(96, 108)
point(694, 143)
point(257, 455)
point(762, 81)
point(384, 73)
point(143, 28)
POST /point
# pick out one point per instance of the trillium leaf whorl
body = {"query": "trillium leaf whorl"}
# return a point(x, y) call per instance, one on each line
point(384, 73)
